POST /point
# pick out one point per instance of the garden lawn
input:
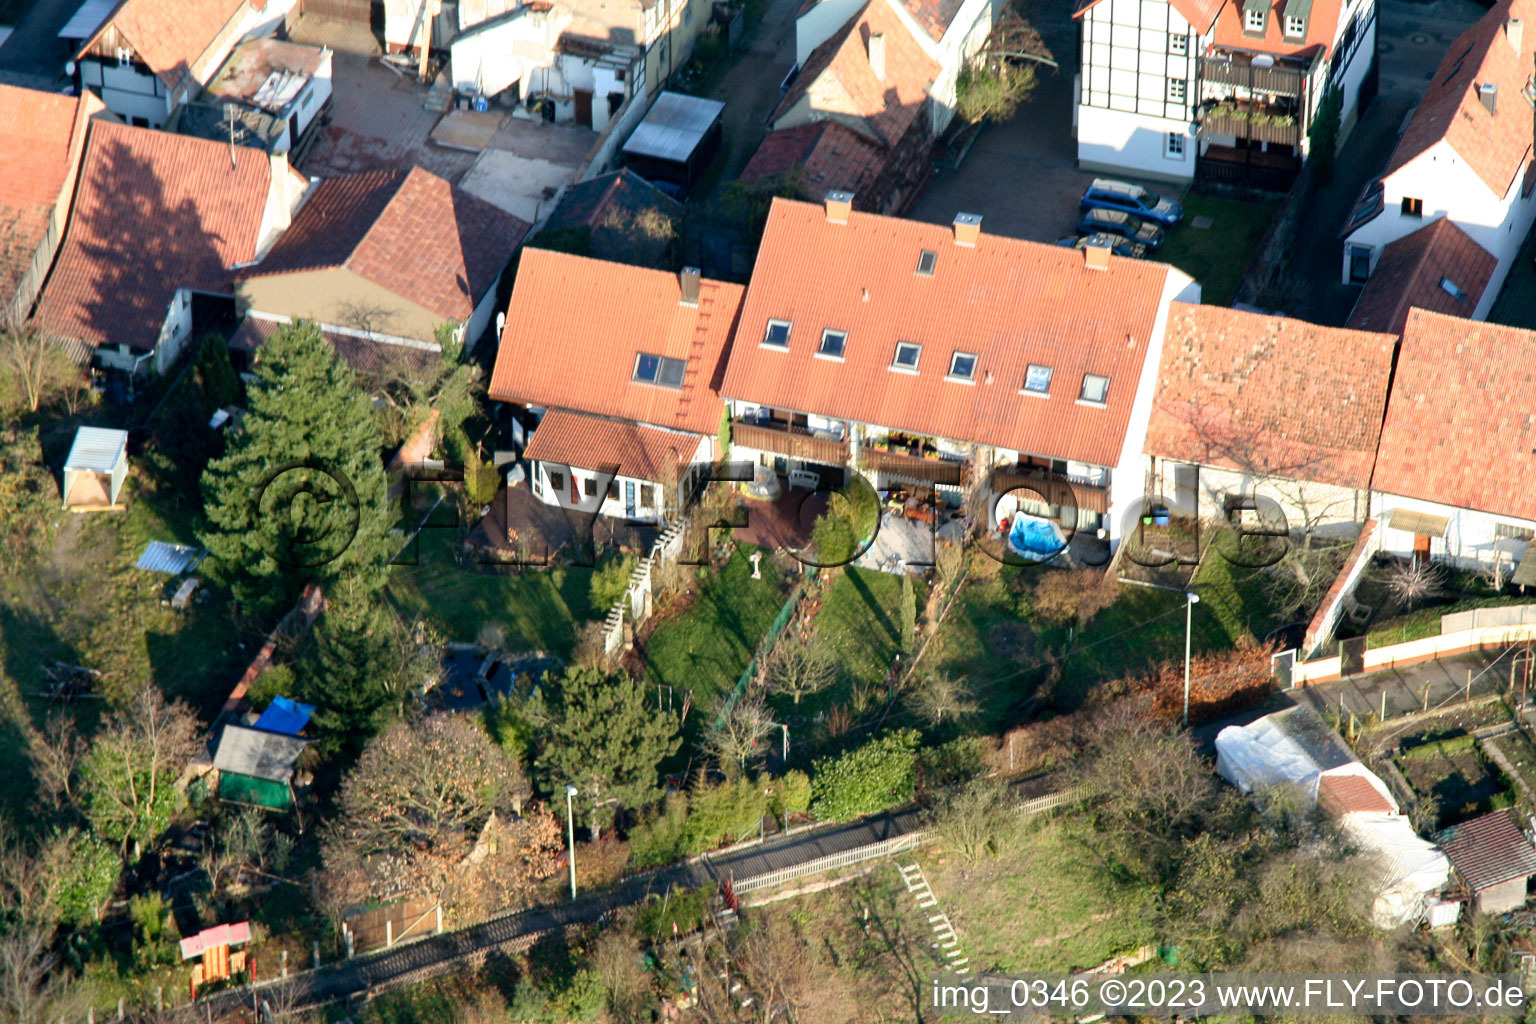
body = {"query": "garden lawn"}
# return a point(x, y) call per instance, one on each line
point(860, 622)
point(1423, 622)
point(537, 609)
point(1235, 596)
point(1216, 256)
point(706, 646)
point(984, 640)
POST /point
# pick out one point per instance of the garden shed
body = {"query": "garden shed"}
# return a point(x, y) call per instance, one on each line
point(676, 141)
point(1494, 857)
point(256, 767)
point(96, 468)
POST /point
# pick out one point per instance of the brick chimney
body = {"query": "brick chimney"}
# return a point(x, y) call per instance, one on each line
point(839, 205)
point(1096, 257)
point(967, 229)
point(689, 279)
point(1514, 32)
point(877, 55)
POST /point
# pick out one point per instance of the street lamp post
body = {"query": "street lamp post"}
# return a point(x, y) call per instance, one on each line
point(570, 831)
point(1190, 600)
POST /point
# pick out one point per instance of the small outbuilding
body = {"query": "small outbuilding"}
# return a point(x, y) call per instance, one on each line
point(1494, 857)
point(256, 766)
point(96, 468)
point(675, 142)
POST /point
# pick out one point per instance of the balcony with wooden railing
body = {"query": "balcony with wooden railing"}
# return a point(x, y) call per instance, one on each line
point(1055, 488)
point(795, 441)
point(1237, 71)
point(929, 468)
point(1250, 121)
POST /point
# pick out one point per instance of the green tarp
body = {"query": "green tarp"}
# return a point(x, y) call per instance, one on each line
point(264, 792)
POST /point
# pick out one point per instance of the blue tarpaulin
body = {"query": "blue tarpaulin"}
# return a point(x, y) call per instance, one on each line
point(285, 716)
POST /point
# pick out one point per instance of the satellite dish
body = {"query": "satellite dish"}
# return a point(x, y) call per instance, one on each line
point(69, 67)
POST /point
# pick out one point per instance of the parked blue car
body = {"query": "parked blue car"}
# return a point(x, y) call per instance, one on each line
point(1114, 243)
point(1109, 194)
point(1118, 222)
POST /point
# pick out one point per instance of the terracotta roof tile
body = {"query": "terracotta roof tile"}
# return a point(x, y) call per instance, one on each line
point(840, 82)
point(1459, 429)
point(828, 156)
point(36, 131)
point(1231, 384)
point(1488, 850)
point(1496, 146)
point(1410, 271)
point(169, 37)
point(1322, 27)
point(153, 212)
point(410, 232)
point(592, 442)
point(1010, 302)
point(575, 326)
point(1352, 794)
point(1201, 14)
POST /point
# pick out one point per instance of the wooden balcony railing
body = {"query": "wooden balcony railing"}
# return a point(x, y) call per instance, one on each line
point(1053, 487)
point(795, 443)
point(1224, 121)
point(935, 471)
point(1240, 74)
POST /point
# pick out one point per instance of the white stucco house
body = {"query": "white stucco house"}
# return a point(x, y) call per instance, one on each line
point(1224, 90)
point(1455, 477)
point(1465, 154)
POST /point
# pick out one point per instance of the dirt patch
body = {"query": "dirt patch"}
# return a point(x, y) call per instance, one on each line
point(1453, 772)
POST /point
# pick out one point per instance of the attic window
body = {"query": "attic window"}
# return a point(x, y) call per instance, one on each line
point(1450, 288)
point(1095, 389)
point(926, 261)
point(1253, 19)
point(907, 355)
point(777, 335)
point(1037, 379)
point(1529, 91)
point(1413, 207)
point(962, 367)
point(659, 370)
point(832, 344)
point(1295, 28)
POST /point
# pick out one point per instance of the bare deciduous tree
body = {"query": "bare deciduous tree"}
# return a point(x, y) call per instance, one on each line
point(940, 697)
point(738, 741)
point(127, 778)
point(1414, 581)
point(799, 667)
point(35, 368)
point(56, 753)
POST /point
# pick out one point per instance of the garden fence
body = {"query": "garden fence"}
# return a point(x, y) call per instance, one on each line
point(764, 648)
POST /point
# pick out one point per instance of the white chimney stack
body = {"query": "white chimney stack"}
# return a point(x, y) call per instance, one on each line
point(1514, 31)
point(877, 55)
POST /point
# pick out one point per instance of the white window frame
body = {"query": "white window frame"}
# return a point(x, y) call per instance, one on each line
point(1173, 146)
point(1253, 20)
point(960, 378)
point(897, 367)
point(1050, 374)
point(1295, 28)
point(789, 330)
point(1082, 393)
point(1178, 44)
point(822, 353)
point(1176, 90)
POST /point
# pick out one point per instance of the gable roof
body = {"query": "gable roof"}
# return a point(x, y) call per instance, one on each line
point(1410, 271)
point(168, 37)
point(839, 80)
point(258, 753)
point(593, 442)
point(1322, 29)
point(153, 212)
point(627, 217)
point(37, 135)
point(1009, 302)
point(1495, 146)
point(409, 232)
point(1201, 14)
point(1460, 429)
point(370, 356)
point(575, 326)
point(1230, 385)
point(827, 155)
point(1488, 850)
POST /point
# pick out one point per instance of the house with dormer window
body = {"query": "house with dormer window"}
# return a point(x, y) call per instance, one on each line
point(617, 391)
point(1464, 157)
point(1224, 91)
point(948, 358)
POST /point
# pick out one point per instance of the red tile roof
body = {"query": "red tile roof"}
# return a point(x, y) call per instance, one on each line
point(1410, 271)
point(827, 155)
point(592, 442)
point(1011, 303)
point(840, 83)
point(1460, 429)
point(36, 131)
point(1231, 383)
point(1322, 28)
point(1496, 146)
point(1352, 794)
point(409, 232)
point(1200, 14)
point(1488, 850)
point(575, 326)
point(169, 37)
point(153, 212)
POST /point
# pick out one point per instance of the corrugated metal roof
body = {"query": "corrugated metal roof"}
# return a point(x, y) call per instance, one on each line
point(261, 755)
point(163, 556)
point(1488, 850)
point(87, 19)
point(673, 126)
point(96, 449)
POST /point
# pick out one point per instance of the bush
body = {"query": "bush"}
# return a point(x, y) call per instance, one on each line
point(87, 880)
point(834, 541)
point(276, 681)
point(949, 763)
point(692, 824)
point(664, 838)
point(678, 912)
point(610, 580)
point(871, 778)
point(791, 795)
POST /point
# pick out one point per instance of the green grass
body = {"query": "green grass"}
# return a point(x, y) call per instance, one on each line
point(860, 622)
point(1042, 908)
point(1235, 597)
point(706, 646)
point(1216, 256)
point(1425, 622)
point(537, 609)
point(983, 639)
